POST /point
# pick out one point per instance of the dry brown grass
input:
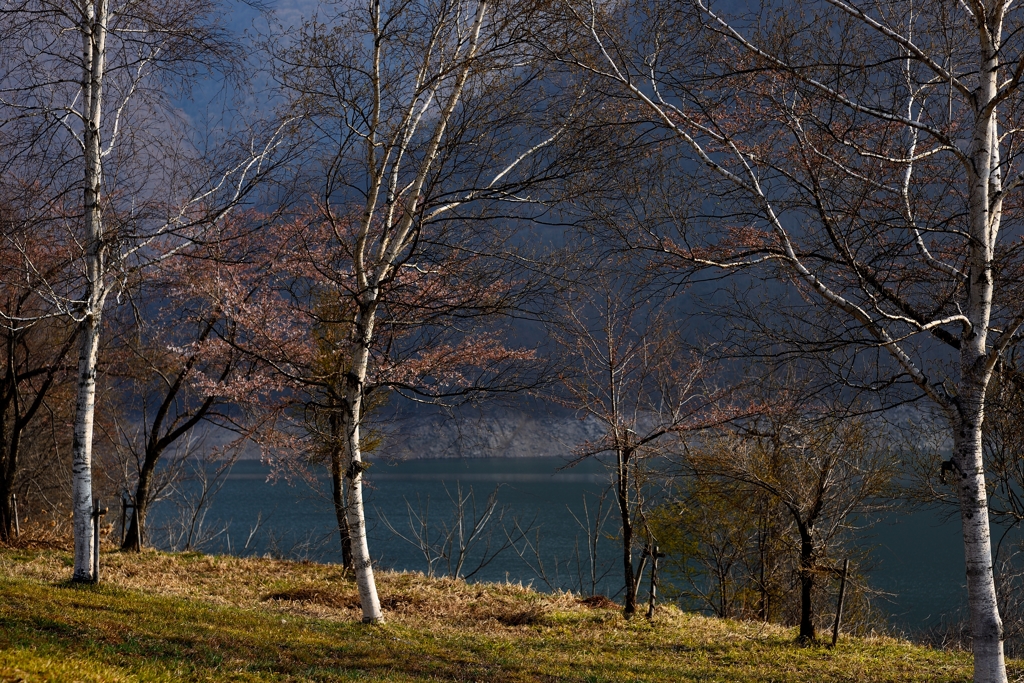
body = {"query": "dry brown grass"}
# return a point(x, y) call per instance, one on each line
point(310, 589)
point(199, 617)
point(48, 534)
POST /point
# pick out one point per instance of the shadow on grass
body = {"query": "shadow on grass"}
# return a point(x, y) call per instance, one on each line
point(133, 632)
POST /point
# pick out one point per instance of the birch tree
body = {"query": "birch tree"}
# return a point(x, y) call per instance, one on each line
point(83, 84)
point(428, 116)
point(434, 341)
point(866, 155)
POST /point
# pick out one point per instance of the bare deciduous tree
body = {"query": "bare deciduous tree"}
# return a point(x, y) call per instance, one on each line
point(823, 470)
point(627, 368)
point(468, 540)
point(175, 370)
point(37, 348)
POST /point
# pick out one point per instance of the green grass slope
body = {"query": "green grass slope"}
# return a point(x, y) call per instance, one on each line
point(192, 617)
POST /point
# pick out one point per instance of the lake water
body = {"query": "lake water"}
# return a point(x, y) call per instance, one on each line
point(918, 556)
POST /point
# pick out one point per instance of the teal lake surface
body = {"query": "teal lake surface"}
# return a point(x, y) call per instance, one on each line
point(918, 556)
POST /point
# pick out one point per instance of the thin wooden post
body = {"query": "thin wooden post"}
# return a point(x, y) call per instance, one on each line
point(138, 525)
point(96, 514)
point(14, 506)
point(96, 541)
point(653, 597)
point(124, 518)
point(839, 602)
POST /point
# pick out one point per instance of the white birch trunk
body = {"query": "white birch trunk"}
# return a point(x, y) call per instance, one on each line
point(81, 464)
point(975, 373)
point(367, 586)
point(93, 27)
point(986, 625)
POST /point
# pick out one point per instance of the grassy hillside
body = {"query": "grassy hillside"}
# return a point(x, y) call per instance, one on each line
point(192, 617)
